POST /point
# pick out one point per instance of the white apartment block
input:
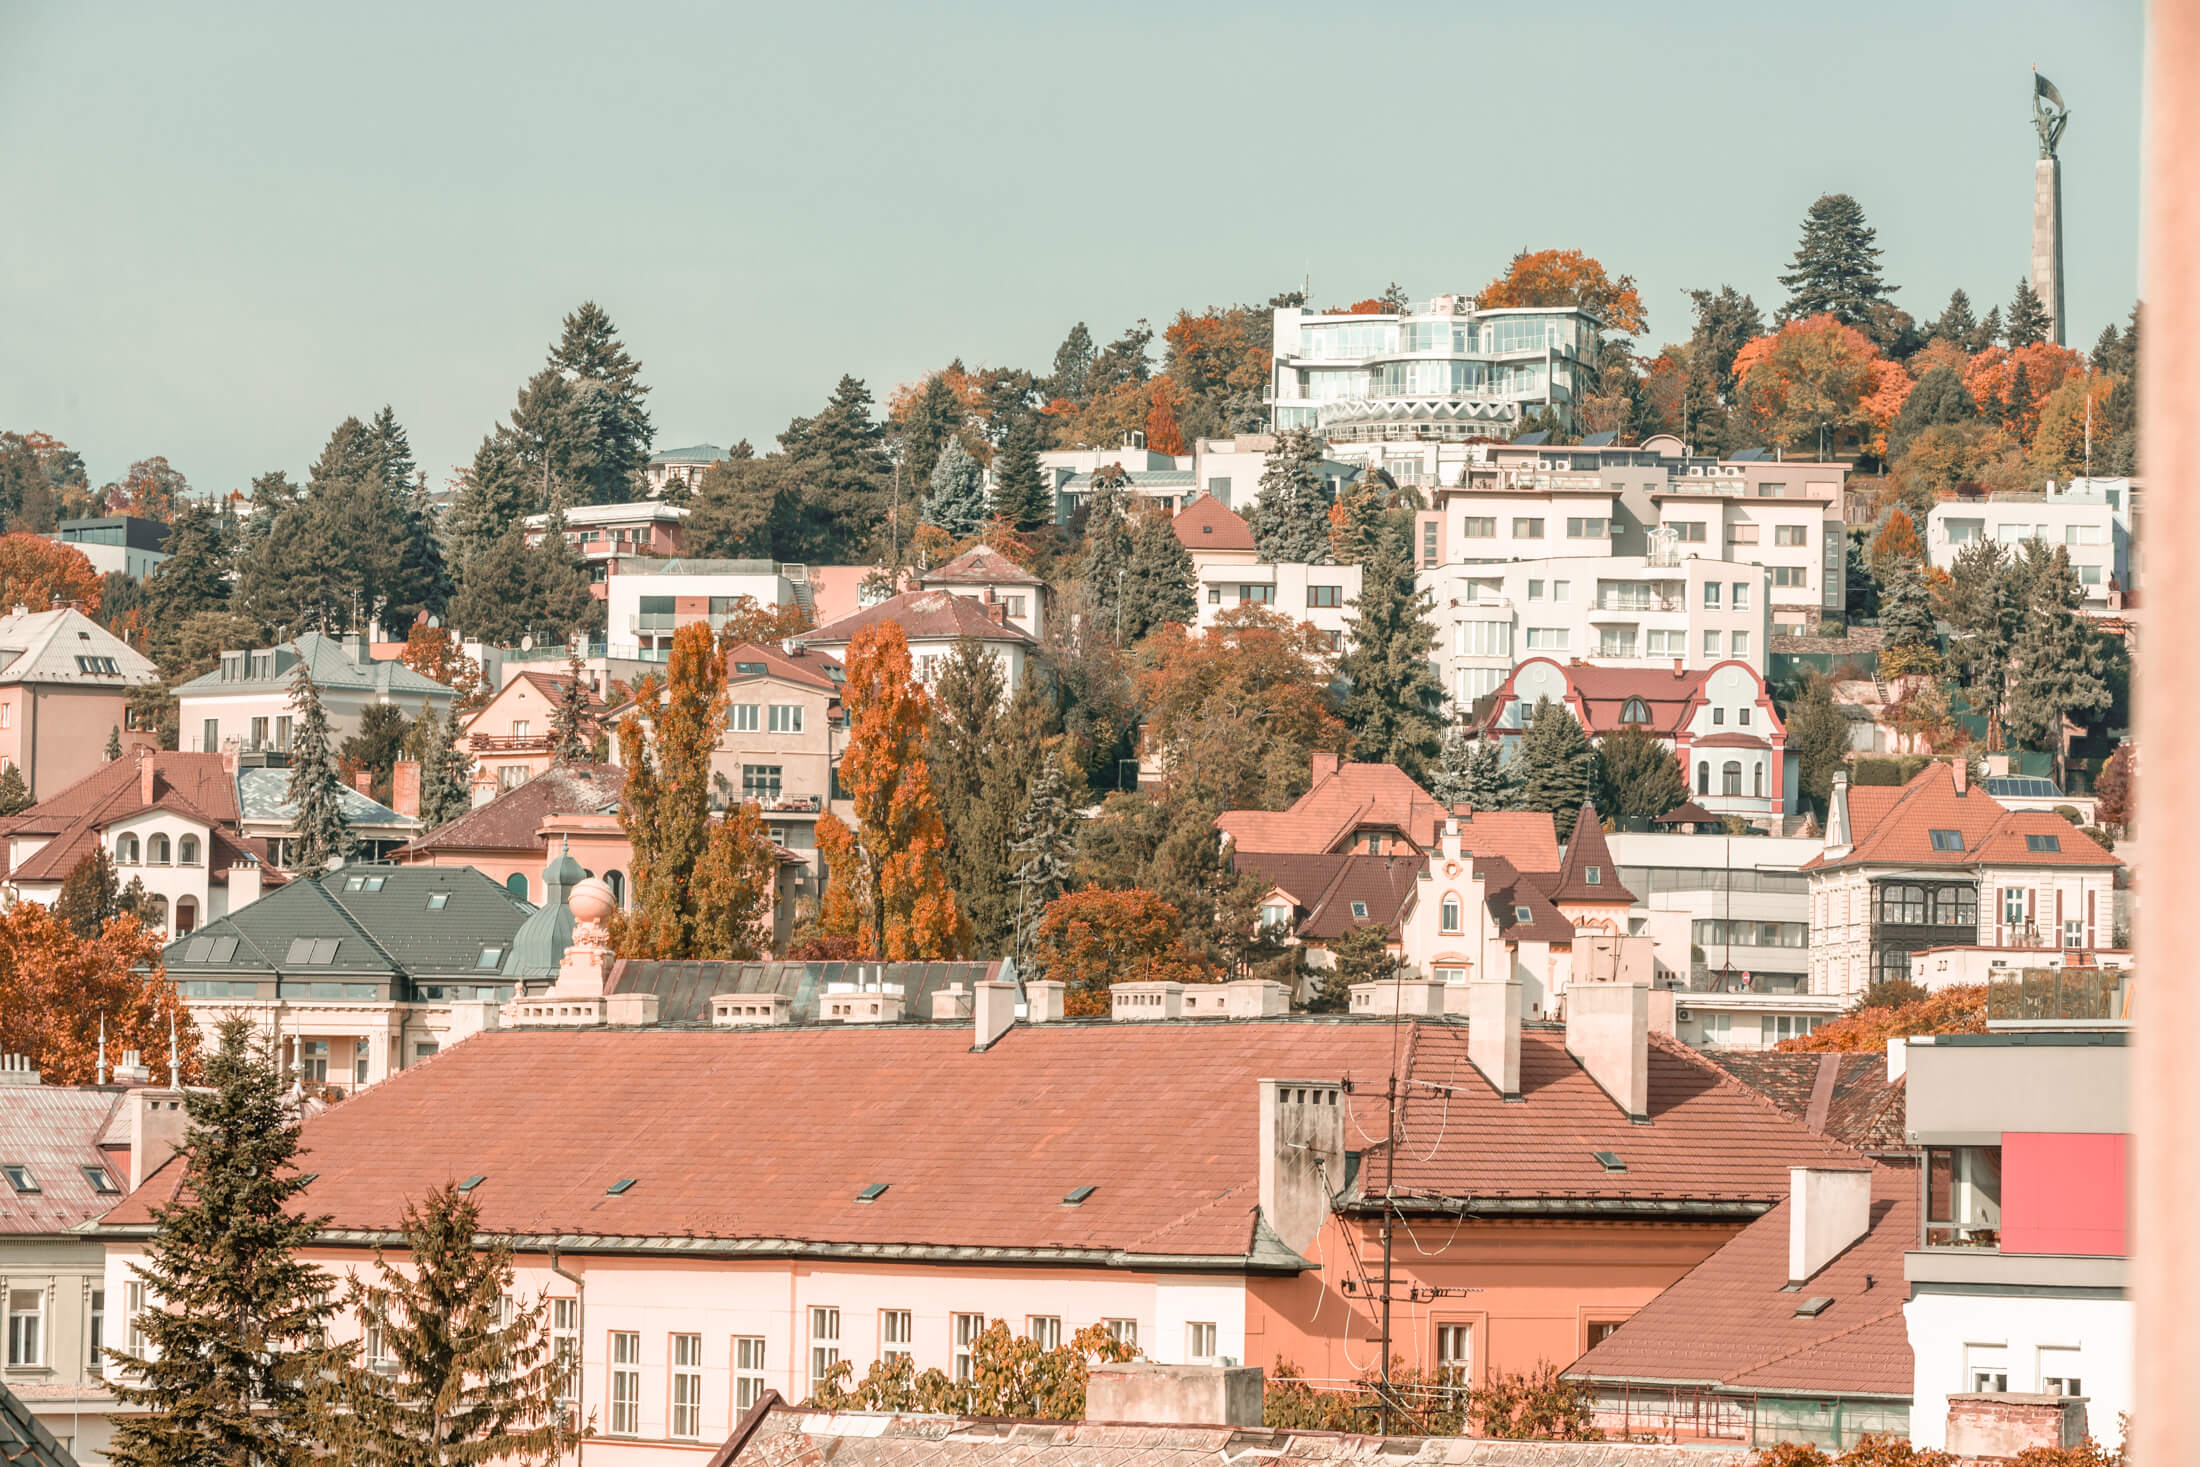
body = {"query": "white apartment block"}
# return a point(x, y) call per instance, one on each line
point(1743, 903)
point(2091, 518)
point(649, 600)
point(1227, 470)
point(1228, 573)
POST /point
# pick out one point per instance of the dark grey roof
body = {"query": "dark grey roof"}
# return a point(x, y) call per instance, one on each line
point(684, 990)
point(330, 664)
point(1600, 440)
point(23, 1441)
point(379, 917)
point(1746, 456)
point(1531, 439)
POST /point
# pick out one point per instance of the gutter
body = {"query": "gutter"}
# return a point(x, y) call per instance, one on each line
point(1710, 1209)
point(580, 1339)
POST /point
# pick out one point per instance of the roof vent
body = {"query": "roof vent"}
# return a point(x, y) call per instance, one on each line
point(1812, 1307)
point(470, 1183)
point(872, 1193)
point(1609, 1160)
point(1077, 1196)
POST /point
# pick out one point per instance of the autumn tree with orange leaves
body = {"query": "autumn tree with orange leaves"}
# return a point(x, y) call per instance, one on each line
point(1816, 385)
point(887, 894)
point(56, 989)
point(1093, 939)
point(41, 574)
point(435, 654)
point(1234, 715)
point(1957, 1010)
point(1568, 278)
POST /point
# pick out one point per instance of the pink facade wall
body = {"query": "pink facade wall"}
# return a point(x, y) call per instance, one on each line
point(2063, 1194)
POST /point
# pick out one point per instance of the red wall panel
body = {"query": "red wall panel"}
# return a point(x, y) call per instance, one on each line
point(2062, 1194)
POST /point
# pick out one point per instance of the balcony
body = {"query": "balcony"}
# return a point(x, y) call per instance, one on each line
point(2059, 996)
point(1638, 603)
point(480, 744)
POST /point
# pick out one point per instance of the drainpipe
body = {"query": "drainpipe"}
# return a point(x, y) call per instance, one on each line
point(580, 1338)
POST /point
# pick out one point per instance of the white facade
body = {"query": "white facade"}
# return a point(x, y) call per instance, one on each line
point(1743, 901)
point(1319, 594)
point(2091, 518)
point(1751, 1020)
point(649, 601)
point(1980, 1341)
point(1961, 965)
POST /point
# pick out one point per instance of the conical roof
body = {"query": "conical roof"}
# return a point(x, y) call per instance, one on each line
point(1586, 873)
point(540, 943)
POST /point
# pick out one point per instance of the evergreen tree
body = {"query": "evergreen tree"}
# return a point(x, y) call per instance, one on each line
point(1637, 776)
point(1394, 694)
point(1290, 521)
point(956, 499)
point(607, 413)
point(1836, 267)
point(744, 507)
point(1105, 567)
point(2060, 667)
point(1045, 843)
point(1157, 586)
point(445, 1378)
point(1448, 777)
point(90, 895)
point(375, 748)
point(962, 743)
point(194, 577)
point(1988, 332)
point(2107, 348)
point(572, 726)
point(1072, 366)
point(233, 1341)
point(1817, 739)
point(849, 504)
point(1939, 397)
point(925, 427)
point(1955, 322)
point(1019, 493)
point(2028, 321)
point(1356, 520)
point(446, 774)
point(498, 492)
point(1558, 765)
point(1361, 955)
point(1492, 783)
point(1908, 639)
point(317, 812)
point(1726, 321)
point(114, 742)
point(2016, 414)
point(15, 796)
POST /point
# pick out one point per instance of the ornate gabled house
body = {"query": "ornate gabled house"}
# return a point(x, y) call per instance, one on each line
point(514, 737)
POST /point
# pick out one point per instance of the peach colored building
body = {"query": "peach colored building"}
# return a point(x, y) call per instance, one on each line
point(611, 537)
point(65, 684)
point(514, 738)
point(509, 838)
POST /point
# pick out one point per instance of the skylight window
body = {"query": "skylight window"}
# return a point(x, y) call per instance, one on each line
point(1812, 1307)
point(312, 952)
point(1359, 911)
point(619, 1187)
point(2043, 844)
point(1077, 1196)
point(98, 666)
point(491, 957)
point(470, 1183)
point(1947, 840)
point(438, 900)
point(20, 1178)
point(1609, 1160)
point(749, 669)
point(1523, 914)
point(102, 1180)
point(872, 1193)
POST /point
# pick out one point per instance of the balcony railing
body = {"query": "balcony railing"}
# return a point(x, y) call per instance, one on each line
point(1639, 603)
point(2059, 995)
point(541, 743)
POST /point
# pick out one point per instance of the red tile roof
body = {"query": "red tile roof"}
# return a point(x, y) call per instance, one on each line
point(1341, 802)
point(1668, 696)
point(197, 786)
point(512, 821)
point(55, 1130)
point(804, 668)
point(933, 614)
point(1208, 524)
point(979, 566)
point(1895, 827)
point(1730, 1321)
point(1326, 886)
point(1845, 1096)
point(1586, 851)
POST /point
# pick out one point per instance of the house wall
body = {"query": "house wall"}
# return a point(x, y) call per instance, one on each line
point(629, 636)
point(511, 741)
point(2064, 1193)
point(235, 713)
point(69, 1398)
point(1223, 585)
point(173, 880)
point(1950, 1331)
point(58, 734)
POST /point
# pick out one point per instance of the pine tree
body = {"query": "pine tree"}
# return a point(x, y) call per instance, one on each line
point(114, 742)
point(316, 798)
point(1106, 564)
point(233, 1342)
point(2060, 666)
point(848, 508)
point(1955, 322)
point(571, 724)
point(1836, 267)
point(1394, 694)
point(194, 577)
point(445, 785)
point(956, 499)
point(608, 422)
point(1019, 493)
point(1988, 332)
point(1290, 521)
point(1637, 776)
point(1072, 365)
point(1558, 765)
point(1157, 587)
point(445, 1378)
point(89, 898)
point(498, 492)
point(1726, 321)
point(1045, 840)
point(2028, 323)
point(15, 796)
point(1448, 776)
point(1908, 638)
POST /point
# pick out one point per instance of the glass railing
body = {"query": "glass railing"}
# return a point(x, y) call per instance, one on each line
point(2059, 995)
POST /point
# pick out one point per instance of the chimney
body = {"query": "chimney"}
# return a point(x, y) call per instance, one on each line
point(951, 1005)
point(148, 777)
point(1962, 770)
point(1464, 810)
point(132, 1070)
point(1174, 1395)
point(1301, 1156)
point(156, 1127)
point(2001, 1424)
point(1156, 998)
point(994, 1009)
point(229, 762)
point(1608, 1034)
point(363, 781)
point(1898, 1059)
point(1044, 1000)
point(1827, 1211)
point(1678, 671)
point(1493, 1032)
point(758, 1010)
point(15, 1069)
point(1325, 764)
point(244, 884)
point(405, 787)
point(356, 645)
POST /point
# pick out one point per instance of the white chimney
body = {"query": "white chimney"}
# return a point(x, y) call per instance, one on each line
point(1044, 1000)
point(244, 884)
point(1898, 1059)
point(951, 1005)
point(1493, 1032)
point(1827, 1211)
point(994, 1009)
point(1174, 1395)
point(1151, 999)
point(132, 1070)
point(157, 1126)
point(1301, 1156)
point(1608, 1034)
point(16, 1069)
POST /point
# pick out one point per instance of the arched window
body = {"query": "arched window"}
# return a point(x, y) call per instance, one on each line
point(516, 884)
point(1636, 711)
point(1703, 776)
point(1760, 781)
point(187, 914)
point(160, 912)
point(126, 850)
point(187, 851)
point(616, 880)
point(156, 849)
point(1450, 914)
point(1730, 778)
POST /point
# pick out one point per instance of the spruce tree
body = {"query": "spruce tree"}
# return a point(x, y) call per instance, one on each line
point(1105, 566)
point(90, 895)
point(1955, 322)
point(955, 500)
point(2028, 321)
point(1726, 321)
point(498, 492)
point(2060, 666)
point(1157, 586)
point(444, 1377)
point(114, 742)
point(1448, 776)
point(194, 577)
point(1492, 783)
point(1072, 365)
point(925, 427)
point(1637, 776)
point(607, 420)
point(1988, 332)
point(233, 1337)
point(1908, 638)
point(1836, 267)
point(1939, 397)
point(1045, 843)
point(1558, 765)
point(446, 774)
point(1393, 691)
point(316, 793)
point(15, 796)
point(1019, 492)
point(1290, 521)
point(1817, 739)
point(849, 496)
point(570, 721)
point(960, 746)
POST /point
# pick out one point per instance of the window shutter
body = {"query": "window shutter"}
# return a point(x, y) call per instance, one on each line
point(2090, 939)
point(2032, 905)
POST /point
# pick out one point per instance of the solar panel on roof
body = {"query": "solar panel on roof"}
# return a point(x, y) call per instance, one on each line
point(196, 950)
point(1745, 456)
point(225, 948)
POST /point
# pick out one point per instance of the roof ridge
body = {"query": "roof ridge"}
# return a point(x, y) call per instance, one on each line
point(320, 885)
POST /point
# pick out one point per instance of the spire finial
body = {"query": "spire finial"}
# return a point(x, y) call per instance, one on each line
point(174, 1079)
point(101, 1072)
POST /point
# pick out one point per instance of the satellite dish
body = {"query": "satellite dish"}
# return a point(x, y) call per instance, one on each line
point(527, 644)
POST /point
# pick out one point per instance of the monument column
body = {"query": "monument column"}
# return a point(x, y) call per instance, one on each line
point(2049, 117)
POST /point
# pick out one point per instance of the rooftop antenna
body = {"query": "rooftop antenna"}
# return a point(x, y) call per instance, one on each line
point(101, 1072)
point(174, 1079)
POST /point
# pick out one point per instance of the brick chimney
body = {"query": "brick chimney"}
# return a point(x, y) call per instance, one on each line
point(405, 787)
point(1828, 1210)
point(363, 782)
point(148, 778)
point(1325, 764)
point(1608, 1034)
point(1493, 1032)
point(1301, 1156)
point(1961, 767)
point(1174, 1395)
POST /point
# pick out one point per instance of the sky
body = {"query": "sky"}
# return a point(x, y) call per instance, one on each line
point(225, 227)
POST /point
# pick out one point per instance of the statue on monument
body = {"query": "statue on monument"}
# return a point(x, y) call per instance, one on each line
point(2049, 115)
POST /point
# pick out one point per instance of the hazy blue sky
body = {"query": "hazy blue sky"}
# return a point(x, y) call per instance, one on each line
point(224, 226)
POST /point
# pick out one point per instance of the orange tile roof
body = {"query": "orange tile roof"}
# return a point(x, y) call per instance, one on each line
point(197, 786)
point(1339, 803)
point(1208, 524)
point(805, 668)
point(1900, 829)
point(1730, 1321)
point(921, 614)
point(1846, 1096)
point(981, 565)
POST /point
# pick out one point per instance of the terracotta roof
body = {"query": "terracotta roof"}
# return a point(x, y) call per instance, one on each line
point(1668, 696)
point(1209, 524)
point(978, 1157)
point(1528, 839)
point(196, 786)
point(922, 614)
point(791, 1436)
point(1845, 1096)
point(1586, 852)
point(54, 1131)
point(552, 686)
point(1326, 885)
point(1353, 796)
point(1687, 812)
point(512, 821)
point(1731, 1321)
point(804, 668)
point(1507, 891)
point(1895, 827)
point(1729, 741)
point(981, 565)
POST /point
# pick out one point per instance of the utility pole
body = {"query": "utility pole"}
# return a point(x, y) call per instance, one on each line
point(1390, 1178)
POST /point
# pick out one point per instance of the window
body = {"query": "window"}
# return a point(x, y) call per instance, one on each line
point(626, 1383)
point(1793, 1026)
point(1718, 715)
point(1044, 1330)
point(1451, 915)
point(2012, 906)
point(1730, 777)
point(1791, 534)
point(1963, 532)
point(1963, 1198)
point(1986, 1367)
point(1687, 532)
point(1795, 576)
point(187, 851)
point(1214, 595)
point(786, 718)
point(1589, 528)
point(210, 736)
point(1947, 840)
point(1123, 1331)
point(2088, 575)
point(98, 666)
point(565, 1349)
point(2073, 932)
point(895, 1332)
point(1703, 777)
point(1592, 875)
point(1199, 1343)
point(1741, 534)
point(95, 1330)
point(1428, 542)
point(2059, 1371)
point(1711, 644)
point(748, 1371)
point(760, 781)
point(1740, 599)
point(967, 1329)
point(1738, 646)
point(1256, 595)
point(2072, 535)
point(1711, 591)
point(1664, 644)
point(1275, 917)
point(1549, 639)
point(1527, 529)
point(1359, 911)
point(375, 1347)
point(2043, 844)
point(1219, 487)
point(1478, 527)
point(26, 1326)
point(1325, 595)
point(744, 717)
point(126, 850)
point(1717, 1028)
point(1455, 1355)
point(687, 1387)
point(259, 733)
point(516, 884)
point(824, 1344)
point(156, 849)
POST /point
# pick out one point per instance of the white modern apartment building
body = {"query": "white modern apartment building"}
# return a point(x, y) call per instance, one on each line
point(649, 599)
point(1440, 371)
point(2091, 518)
point(1225, 469)
point(1229, 573)
point(1743, 901)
